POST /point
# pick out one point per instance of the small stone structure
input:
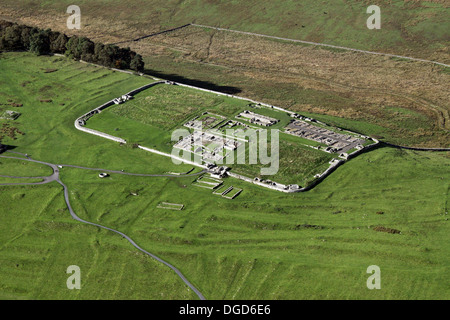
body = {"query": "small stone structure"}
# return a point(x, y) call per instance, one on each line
point(216, 171)
point(236, 192)
point(170, 206)
point(225, 193)
point(122, 99)
point(208, 182)
point(257, 118)
point(336, 142)
point(207, 120)
point(10, 115)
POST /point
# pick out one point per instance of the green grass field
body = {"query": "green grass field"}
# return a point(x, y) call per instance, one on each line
point(261, 245)
point(39, 241)
point(166, 107)
point(12, 167)
point(152, 115)
point(15, 180)
point(257, 246)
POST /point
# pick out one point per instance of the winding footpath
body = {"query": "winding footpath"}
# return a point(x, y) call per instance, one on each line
point(55, 177)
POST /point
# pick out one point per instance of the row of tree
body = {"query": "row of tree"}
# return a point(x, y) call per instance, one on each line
point(15, 37)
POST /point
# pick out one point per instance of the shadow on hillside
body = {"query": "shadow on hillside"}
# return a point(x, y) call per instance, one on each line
point(4, 147)
point(193, 82)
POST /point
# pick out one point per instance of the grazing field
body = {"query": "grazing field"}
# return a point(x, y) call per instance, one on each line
point(12, 167)
point(166, 107)
point(298, 164)
point(17, 180)
point(406, 25)
point(39, 241)
point(49, 133)
point(402, 102)
point(261, 245)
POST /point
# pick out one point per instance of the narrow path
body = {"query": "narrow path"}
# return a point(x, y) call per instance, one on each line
point(44, 181)
point(55, 177)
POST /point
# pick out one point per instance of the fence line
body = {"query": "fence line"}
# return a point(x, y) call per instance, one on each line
point(321, 44)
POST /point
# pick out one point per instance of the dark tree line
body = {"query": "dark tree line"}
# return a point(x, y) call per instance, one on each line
point(15, 37)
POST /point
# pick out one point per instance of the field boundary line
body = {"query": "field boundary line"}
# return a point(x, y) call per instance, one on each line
point(153, 34)
point(321, 44)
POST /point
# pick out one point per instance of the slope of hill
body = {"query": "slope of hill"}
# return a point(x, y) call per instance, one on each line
point(261, 245)
point(395, 100)
point(407, 26)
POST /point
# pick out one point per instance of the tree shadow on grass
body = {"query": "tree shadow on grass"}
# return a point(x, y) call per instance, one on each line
point(193, 82)
point(4, 147)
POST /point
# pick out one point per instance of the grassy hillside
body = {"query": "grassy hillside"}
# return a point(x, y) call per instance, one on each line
point(39, 241)
point(316, 245)
point(421, 26)
point(262, 245)
point(399, 101)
